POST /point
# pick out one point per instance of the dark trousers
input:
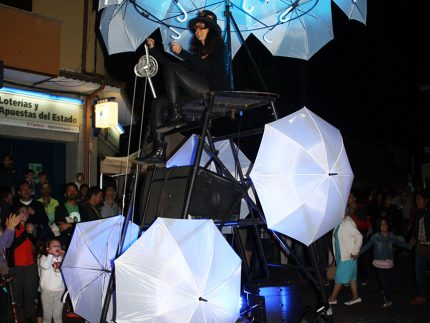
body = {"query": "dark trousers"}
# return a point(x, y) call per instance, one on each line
point(176, 78)
point(5, 305)
point(385, 279)
point(422, 262)
point(25, 288)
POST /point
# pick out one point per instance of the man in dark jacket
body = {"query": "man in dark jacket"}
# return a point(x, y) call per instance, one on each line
point(36, 211)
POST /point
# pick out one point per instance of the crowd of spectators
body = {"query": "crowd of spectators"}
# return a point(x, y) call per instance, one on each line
point(379, 225)
point(36, 229)
point(35, 232)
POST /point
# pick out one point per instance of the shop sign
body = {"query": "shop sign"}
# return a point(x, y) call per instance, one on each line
point(28, 109)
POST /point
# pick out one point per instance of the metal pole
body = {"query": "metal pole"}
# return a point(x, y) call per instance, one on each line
point(230, 17)
point(208, 110)
point(227, 15)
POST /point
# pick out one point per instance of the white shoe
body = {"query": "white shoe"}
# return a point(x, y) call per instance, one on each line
point(353, 301)
point(332, 302)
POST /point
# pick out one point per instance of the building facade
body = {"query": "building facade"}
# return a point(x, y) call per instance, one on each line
point(53, 75)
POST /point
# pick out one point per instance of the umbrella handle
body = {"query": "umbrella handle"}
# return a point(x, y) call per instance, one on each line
point(266, 37)
point(176, 35)
point(283, 16)
point(183, 11)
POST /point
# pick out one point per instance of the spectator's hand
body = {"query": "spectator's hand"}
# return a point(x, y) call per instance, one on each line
point(176, 47)
point(30, 211)
point(29, 228)
point(150, 42)
point(12, 221)
point(412, 242)
point(354, 256)
point(64, 226)
point(62, 253)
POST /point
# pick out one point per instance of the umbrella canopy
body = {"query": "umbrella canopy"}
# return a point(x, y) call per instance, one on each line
point(88, 263)
point(302, 176)
point(290, 28)
point(299, 31)
point(178, 271)
point(354, 9)
point(124, 27)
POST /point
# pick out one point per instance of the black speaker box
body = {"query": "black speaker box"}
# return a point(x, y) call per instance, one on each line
point(214, 197)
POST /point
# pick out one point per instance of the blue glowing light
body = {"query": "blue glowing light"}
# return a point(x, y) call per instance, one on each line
point(41, 95)
point(120, 129)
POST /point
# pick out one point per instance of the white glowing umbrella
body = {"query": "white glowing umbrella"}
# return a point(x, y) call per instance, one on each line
point(88, 263)
point(178, 271)
point(302, 176)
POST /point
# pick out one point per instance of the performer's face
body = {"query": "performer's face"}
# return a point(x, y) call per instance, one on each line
point(201, 31)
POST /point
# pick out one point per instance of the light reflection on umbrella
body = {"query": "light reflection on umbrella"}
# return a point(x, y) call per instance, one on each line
point(302, 176)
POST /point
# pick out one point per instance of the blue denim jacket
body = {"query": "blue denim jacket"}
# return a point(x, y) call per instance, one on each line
point(383, 246)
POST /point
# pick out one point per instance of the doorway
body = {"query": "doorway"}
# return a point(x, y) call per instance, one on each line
point(47, 156)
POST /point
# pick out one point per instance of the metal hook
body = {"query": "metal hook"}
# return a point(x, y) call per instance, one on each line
point(283, 16)
point(177, 34)
point(266, 37)
point(183, 11)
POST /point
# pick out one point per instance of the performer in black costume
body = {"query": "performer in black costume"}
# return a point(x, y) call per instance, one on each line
point(202, 70)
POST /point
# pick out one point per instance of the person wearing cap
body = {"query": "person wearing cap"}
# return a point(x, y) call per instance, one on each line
point(202, 70)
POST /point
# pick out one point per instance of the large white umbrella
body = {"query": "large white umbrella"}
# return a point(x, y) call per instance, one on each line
point(302, 176)
point(178, 271)
point(88, 263)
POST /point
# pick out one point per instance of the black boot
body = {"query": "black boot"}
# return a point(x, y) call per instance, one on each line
point(157, 157)
point(176, 119)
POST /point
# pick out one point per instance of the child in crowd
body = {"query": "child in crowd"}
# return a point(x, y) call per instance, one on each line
point(383, 242)
point(51, 282)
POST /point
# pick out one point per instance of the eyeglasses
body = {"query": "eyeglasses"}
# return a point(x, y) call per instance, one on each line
point(201, 27)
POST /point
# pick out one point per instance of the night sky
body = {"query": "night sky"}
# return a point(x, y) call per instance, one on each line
point(366, 81)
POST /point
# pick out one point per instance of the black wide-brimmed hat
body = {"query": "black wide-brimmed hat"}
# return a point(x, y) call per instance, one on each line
point(208, 18)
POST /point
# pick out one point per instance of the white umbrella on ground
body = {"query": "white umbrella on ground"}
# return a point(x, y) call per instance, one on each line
point(178, 271)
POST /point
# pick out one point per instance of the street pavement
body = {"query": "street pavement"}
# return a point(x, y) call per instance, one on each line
point(370, 309)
